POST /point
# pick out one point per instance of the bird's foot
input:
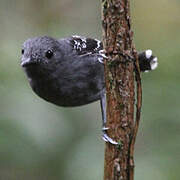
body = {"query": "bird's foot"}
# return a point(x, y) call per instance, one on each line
point(106, 138)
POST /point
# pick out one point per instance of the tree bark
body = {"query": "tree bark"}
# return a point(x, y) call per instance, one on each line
point(120, 89)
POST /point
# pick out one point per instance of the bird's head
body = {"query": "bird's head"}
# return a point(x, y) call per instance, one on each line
point(40, 52)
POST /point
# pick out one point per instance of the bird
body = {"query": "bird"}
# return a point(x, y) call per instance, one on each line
point(69, 72)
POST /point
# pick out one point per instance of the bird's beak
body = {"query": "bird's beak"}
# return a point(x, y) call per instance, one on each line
point(27, 61)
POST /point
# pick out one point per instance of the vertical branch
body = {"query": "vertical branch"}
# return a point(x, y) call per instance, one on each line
point(119, 76)
point(138, 113)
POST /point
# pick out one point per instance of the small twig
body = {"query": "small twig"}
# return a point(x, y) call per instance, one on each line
point(138, 112)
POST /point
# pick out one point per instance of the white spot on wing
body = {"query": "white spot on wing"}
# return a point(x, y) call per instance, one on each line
point(102, 53)
point(98, 43)
point(83, 40)
point(78, 44)
point(84, 45)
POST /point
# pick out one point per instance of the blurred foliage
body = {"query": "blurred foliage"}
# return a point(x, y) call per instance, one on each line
point(42, 141)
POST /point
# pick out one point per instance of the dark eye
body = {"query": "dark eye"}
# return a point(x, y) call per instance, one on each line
point(49, 54)
point(22, 51)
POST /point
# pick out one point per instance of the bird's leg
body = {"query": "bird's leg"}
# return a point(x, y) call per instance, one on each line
point(105, 137)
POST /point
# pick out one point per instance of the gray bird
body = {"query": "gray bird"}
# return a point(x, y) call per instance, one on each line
point(70, 72)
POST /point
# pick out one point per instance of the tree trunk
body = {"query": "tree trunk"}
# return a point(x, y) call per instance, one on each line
point(120, 85)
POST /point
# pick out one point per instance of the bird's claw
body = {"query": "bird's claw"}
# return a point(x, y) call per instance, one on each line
point(104, 129)
point(106, 138)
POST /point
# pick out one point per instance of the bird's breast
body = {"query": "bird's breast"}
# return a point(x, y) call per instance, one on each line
point(65, 89)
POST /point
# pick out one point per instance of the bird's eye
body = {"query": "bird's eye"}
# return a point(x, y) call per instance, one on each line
point(22, 51)
point(49, 54)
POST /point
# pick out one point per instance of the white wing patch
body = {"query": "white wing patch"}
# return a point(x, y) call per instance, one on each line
point(102, 56)
point(88, 46)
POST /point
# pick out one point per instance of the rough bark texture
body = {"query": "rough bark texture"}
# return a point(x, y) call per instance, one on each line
point(119, 75)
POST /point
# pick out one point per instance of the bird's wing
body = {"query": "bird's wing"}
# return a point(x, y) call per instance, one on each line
point(83, 46)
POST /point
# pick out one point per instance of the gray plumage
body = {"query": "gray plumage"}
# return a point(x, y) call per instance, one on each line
point(68, 78)
point(70, 72)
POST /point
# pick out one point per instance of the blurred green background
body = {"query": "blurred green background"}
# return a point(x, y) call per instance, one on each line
point(39, 140)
